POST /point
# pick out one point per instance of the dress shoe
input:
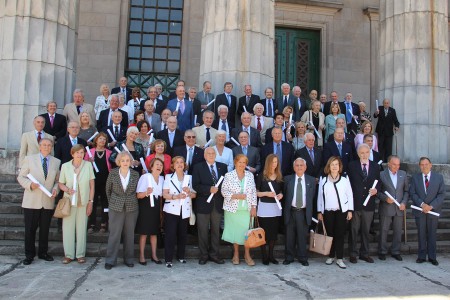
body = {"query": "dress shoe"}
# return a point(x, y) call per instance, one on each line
point(183, 261)
point(287, 262)
point(265, 261)
point(397, 257)
point(108, 266)
point(129, 265)
point(372, 232)
point(420, 260)
point(169, 264)
point(367, 259)
point(273, 260)
point(202, 261)
point(353, 259)
point(46, 257)
point(158, 262)
point(27, 261)
point(433, 262)
point(217, 260)
point(304, 263)
point(144, 263)
point(382, 256)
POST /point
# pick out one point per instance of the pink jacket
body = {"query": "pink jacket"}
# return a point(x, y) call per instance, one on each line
point(108, 154)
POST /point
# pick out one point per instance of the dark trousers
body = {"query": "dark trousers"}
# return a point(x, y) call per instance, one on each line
point(99, 197)
point(361, 220)
point(426, 229)
point(296, 231)
point(204, 223)
point(175, 229)
point(34, 219)
point(336, 224)
point(121, 224)
point(385, 146)
point(397, 229)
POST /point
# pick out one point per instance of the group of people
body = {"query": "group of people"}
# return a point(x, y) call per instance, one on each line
point(166, 162)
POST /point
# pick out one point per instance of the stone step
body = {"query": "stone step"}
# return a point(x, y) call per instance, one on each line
point(10, 208)
point(11, 197)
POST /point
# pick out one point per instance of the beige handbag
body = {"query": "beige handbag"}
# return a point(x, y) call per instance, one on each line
point(62, 208)
point(255, 237)
point(320, 243)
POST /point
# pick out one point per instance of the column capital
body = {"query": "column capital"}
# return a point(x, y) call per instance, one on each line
point(372, 12)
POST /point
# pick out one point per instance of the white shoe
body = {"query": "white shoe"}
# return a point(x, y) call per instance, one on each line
point(329, 261)
point(341, 264)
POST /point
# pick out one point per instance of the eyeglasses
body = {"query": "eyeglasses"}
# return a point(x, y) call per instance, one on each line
point(190, 136)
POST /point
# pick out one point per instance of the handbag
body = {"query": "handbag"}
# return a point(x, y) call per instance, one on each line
point(255, 237)
point(320, 243)
point(62, 208)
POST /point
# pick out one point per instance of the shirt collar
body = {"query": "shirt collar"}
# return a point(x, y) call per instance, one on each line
point(428, 175)
point(392, 174)
point(296, 177)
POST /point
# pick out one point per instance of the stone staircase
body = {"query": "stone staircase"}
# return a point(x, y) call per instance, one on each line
point(12, 231)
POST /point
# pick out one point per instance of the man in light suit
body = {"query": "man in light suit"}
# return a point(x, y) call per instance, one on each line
point(427, 190)
point(255, 136)
point(205, 96)
point(209, 215)
point(72, 110)
point(395, 182)
point(123, 88)
point(185, 111)
point(29, 144)
point(248, 101)
point(286, 98)
point(299, 191)
point(191, 153)
point(206, 132)
point(152, 118)
point(260, 122)
point(37, 206)
point(229, 100)
point(105, 117)
point(173, 136)
point(252, 153)
point(55, 124)
point(300, 105)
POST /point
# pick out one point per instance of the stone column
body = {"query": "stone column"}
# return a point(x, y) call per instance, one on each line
point(238, 44)
point(414, 74)
point(37, 59)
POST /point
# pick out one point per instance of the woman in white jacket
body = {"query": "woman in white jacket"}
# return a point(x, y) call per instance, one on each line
point(335, 206)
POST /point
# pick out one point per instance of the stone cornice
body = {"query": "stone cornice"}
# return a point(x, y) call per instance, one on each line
point(309, 6)
point(372, 13)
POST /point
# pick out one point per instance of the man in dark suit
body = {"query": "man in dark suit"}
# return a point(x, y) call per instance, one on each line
point(255, 137)
point(172, 136)
point(159, 104)
point(123, 88)
point(334, 99)
point(248, 101)
point(55, 124)
point(352, 113)
point(182, 109)
point(62, 148)
point(278, 123)
point(338, 147)
point(205, 96)
point(283, 150)
point(196, 105)
point(362, 174)
point(252, 153)
point(312, 156)
point(105, 118)
point(395, 182)
point(349, 138)
point(386, 126)
point(300, 105)
point(299, 191)
point(286, 98)
point(229, 100)
point(174, 94)
point(209, 214)
point(160, 97)
point(191, 153)
point(374, 155)
point(117, 130)
point(270, 105)
point(427, 190)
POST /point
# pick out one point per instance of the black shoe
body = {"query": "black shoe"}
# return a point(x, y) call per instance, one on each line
point(304, 263)
point(144, 263)
point(46, 257)
point(372, 232)
point(169, 264)
point(202, 261)
point(287, 262)
point(27, 261)
point(382, 256)
point(183, 261)
point(273, 260)
point(217, 260)
point(129, 265)
point(265, 261)
point(353, 259)
point(367, 259)
point(420, 260)
point(108, 266)
point(158, 262)
point(397, 257)
point(433, 262)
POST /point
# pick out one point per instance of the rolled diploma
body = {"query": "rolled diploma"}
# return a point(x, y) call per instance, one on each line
point(273, 191)
point(380, 162)
point(290, 120)
point(41, 187)
point(245, 108)
point(92, 137)
point(195, 120)
point(236, 142)
point(315, 130)
point(151, 138)
point(315, 220)
point(217, 185)
point(390, 196)
point(150, 131)
point(430, 212)
point(207, 144)
point(185, 184)
point(117, 149)
point(376, 103)
point(148, 151)
point(143, 164)
point(211, 102)
point(356, 121)
point(152, 200)
point(74, 196)
point(111, 135)
point(178, 106)
point(245, 185)
point(126, 149)
point(368, 196)
point(90, 155)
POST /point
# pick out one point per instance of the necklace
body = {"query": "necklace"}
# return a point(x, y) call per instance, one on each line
point(100, 156)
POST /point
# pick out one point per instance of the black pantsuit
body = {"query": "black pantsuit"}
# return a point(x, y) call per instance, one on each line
point(34, 219)
point(336, 224)
point(175, 229)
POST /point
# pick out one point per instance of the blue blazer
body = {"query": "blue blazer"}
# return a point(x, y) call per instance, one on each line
point(186, 120)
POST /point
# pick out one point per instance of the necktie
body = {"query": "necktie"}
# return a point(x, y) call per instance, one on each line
point(191, 154)
point(171, 139)
point(224, 126)
point(427, 183)
point(39, 137)
point(269, 109)
point(116, 131)
point(349, 113)
point(165, 126)
point(208, 135)
point(247, 101)
point(78, 109)
point(52, 119)
point(364, 170)
point(385, 112)
point(311, 153)
point(259, 127)
point(229, 100)
point(213, 174)
point(244, 150)
point(340, 149)
point(285, 101)
point(299, 194)
point(279, 152)
point(182, 107)
point(44, 167)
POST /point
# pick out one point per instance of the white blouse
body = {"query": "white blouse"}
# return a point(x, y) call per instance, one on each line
point(332, 194)
point(147, 181)
point(226, 157)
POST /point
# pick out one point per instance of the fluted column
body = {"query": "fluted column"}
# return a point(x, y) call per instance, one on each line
point(238, 44)
point(37, 59)
point(414, 74)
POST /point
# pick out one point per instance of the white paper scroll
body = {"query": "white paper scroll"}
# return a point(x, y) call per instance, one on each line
point(106, 210)
point(111, 135)
point(236, 142)
point(376, 101)
point(244, 189)
point(290, 120)
point(90, 155)
point(41, 187)
point(151, 138)
point(211, 102)
point(380, 162)
point(117, 149)
point(185, 184)
point(245, 108)
point(356, 121)
point(217, 185)
point(126, 149)
point(314, 220)
point(209, 142)
point(143, 164)
point(92, 137)
point(150, 184)
point(150, 131)
point(178, 106)
point(195, 120)
point(430, 212)
point(315, 130)
point(368, 196)
point(74, 196)
point(390, 196)
point(148, 150)
point(276, 200)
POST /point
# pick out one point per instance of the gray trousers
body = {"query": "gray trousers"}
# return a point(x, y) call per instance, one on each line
point(121, 223)
point(204, 223)
point(296, 231)
point(397, 229)
point(361, 220)
point(426, 229)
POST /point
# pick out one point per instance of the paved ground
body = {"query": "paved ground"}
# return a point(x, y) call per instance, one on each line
point(388, 279)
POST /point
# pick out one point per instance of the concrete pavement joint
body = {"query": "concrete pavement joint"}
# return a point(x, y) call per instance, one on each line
point(426, 278)
point(11, 268)
point(296, 286)
point(83, 278)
